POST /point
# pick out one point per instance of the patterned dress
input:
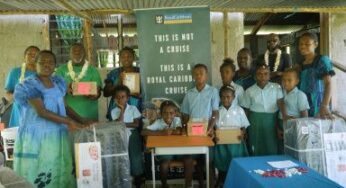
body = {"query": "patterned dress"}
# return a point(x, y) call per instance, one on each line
point(311, 81)
point(11, 81)
point(244, 81)
point(42, 152)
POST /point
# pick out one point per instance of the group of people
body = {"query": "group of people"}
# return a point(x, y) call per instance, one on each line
point(257, 98)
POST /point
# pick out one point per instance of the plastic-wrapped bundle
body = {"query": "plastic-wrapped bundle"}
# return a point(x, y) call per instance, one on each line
point(303, 140)
point(114, 150)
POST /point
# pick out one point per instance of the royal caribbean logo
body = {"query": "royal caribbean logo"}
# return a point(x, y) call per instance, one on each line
point(176, 18)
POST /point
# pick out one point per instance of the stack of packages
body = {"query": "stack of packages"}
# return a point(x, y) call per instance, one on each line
point(113, 137)
point(303, 140)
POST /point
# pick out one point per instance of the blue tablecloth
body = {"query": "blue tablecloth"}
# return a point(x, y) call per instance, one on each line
point(241, 175)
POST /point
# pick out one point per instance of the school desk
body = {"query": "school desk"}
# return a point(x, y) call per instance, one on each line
point(179, 145)
point(241, 175)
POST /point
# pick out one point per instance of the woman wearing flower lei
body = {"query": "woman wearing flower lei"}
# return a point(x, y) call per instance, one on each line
point(78, 69)
point(275, 58)
point(18, 75)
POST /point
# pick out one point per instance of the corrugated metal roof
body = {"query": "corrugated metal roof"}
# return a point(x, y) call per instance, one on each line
point(114, 6)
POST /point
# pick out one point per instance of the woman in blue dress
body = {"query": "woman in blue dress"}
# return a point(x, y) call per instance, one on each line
point(315, 76)
point(42, 152)
point(17, 75)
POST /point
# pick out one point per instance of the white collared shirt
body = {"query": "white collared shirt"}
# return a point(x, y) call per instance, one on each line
point(295, 102)
point(201, 104)
point(160, 124)
point(262, 100)
point(233, 117)
point(131, 112)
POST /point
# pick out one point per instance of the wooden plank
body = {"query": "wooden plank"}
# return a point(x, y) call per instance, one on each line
point(178, 141)
point(260, 23)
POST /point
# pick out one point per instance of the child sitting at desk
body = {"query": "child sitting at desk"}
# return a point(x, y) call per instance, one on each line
point(130, 115)
point(231, 115)
point(167, 125)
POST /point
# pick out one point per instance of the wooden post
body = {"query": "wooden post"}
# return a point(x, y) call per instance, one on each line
point(325, 34)
point(226, 37)
point(88, 40)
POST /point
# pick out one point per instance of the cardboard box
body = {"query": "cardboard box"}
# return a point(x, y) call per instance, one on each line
point(197, 128)
point(88, 165)
point(132, 81)
point(228, 136)
point(84, 88)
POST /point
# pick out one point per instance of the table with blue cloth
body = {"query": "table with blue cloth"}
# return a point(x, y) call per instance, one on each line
point(241, 175)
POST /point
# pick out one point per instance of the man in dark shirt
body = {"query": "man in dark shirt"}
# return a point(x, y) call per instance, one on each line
point(275, 58)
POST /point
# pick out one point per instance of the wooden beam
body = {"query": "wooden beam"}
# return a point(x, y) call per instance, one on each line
point(340, 9)
point(86, 13)
point(88, 40)
point(225, 33)
point(260, 23)
point(70, 8)
point(325, 37)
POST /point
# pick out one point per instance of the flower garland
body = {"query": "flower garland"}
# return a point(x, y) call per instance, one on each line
point(73, 74)
point(22, 72)
point(277, 60)
point(282, 173)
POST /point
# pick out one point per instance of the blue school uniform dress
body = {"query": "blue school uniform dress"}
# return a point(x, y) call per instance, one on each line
point(234, 117)
point(263, 107)
point(295, 102)
point(200, 105)
point(135, 143)
point(43, 153)
point(114, 77)
point(239, 91)
point(11, 81)
point(311, 81)
point(160, 125)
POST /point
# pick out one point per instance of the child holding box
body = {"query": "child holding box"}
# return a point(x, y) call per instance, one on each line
point(169, 124)
point(130, 115)
point(231, 116)
point(201, 103)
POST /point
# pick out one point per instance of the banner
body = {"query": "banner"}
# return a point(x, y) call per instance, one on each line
point(335, 148)
point(171, 42)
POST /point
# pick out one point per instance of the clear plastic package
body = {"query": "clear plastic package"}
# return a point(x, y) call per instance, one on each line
point(303, 140)
point(113, 137)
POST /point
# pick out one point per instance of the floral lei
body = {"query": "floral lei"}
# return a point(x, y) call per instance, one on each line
point(73, 74)
point(277, 60)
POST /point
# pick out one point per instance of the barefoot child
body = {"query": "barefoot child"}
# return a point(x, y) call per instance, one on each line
point(167, 125)
point(130, 116)
point(231, 115)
